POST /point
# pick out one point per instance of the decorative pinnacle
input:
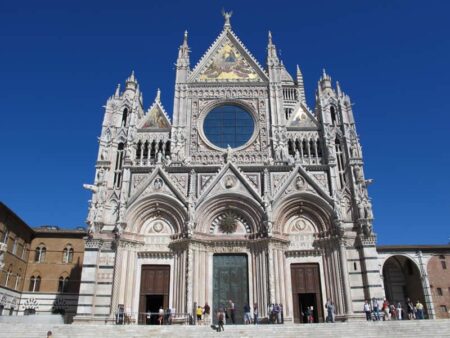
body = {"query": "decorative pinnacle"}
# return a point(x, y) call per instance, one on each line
point(158, 95)
point(185, 38)
point(227, 16)
point(270, 37)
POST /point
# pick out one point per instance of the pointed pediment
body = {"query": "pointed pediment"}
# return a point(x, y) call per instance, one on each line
point(228, 60)
point(300, 180)
point(158, 182)
point(301, 118)
point(155, 118)
point(229, 180)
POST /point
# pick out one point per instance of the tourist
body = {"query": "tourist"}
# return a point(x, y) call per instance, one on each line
point(276, 314)
point(392, 311)
point(199, 313)
point(49, 334)
point(386, 312)
point(399, 311)
point(232, 309)
point(220, 319)
point(161, 315)
point(281, 313)
point(255, 313)
point(206, 312)
point(367, 310)
point(330, 311)
point(376, 309)
point(271, 319)
point(311, 315)
point(247, 315)
point(419, 310)
point(410, 309)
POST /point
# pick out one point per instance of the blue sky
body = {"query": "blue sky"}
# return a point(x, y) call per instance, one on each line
point(61, 60)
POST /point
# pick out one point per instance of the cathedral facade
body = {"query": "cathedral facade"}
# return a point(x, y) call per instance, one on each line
point(247, 194)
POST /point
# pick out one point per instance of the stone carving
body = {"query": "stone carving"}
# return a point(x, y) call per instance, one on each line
point(158, 183)
point(229, 181)
point(300, 183)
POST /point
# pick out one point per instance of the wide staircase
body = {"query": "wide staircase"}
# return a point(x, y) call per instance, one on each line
point(391, 329)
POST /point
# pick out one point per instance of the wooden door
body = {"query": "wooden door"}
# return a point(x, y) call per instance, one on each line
point(305, 280)
point(155, 281)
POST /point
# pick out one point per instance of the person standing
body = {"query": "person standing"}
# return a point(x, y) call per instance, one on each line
point(255, 313)
point(247, 317)
point(330, 310)
point(282, 313)
point(232, 311)
point(220, 319)
point(206, 312)
point(410, 308)
point(376, 308)
point(399, 311)
point(386, 310)
point(367, 310)
point(419, 310)
point(199, 313)
point(160, 315)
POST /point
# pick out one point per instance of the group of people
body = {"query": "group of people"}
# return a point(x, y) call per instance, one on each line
point(203, 313)
point(386, 311)
point(276, 314)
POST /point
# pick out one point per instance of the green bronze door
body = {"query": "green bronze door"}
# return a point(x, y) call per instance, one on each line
point(230, 279)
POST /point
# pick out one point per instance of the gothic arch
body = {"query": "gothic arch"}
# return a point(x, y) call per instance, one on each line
point(160, 206)
point(310, 206)
point(243, 206)
point(402, 279)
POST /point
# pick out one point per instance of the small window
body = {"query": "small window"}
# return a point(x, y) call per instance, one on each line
point(63, 284)
point(5, 236)
point(39, 255)
point(14, 248)
point(439, 291)
point(18, 280)
point(355, 266)
point(124, 117)
point(68, 254)
point(443, 262)
point(35, 283)
point(443, 308)
point(8, 275)
point(24, 251)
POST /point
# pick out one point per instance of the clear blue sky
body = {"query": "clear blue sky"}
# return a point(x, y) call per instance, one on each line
point(61, 60)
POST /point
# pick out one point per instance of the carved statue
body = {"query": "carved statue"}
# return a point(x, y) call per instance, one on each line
point(229, 153)
point(358, 174)
point(227, 16)
point(167, 160)
point(159, 157)
point(91, 187)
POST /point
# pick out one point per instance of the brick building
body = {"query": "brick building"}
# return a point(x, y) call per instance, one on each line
point(40, 267)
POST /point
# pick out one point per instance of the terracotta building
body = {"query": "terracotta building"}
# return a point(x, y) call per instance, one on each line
point(41, 267)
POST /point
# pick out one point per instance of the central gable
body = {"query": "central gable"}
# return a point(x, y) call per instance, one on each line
point(229, 61)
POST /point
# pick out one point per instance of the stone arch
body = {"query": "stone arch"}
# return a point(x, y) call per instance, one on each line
point(402, 280)
point(302, 205)
point(243, 206)
point(161, 207)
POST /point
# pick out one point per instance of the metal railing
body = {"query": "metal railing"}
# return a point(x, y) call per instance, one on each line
point(153, 318)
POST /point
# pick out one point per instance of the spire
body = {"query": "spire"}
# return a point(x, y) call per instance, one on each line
point(117, 93)
point(227, 16)
point(338, 89)
point(131, 82)
point(300, 85)
point(183, 52)
point(325, 80)
point(272, 57)
point(158, 95)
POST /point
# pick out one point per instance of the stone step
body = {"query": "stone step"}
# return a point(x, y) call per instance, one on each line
point(425, 328)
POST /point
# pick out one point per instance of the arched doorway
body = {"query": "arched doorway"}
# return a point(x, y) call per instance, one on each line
point(402, 280)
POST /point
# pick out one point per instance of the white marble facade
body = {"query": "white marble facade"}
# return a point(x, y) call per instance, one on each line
point(295, 190)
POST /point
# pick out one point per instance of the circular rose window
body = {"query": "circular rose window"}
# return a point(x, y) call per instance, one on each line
point(228, 125)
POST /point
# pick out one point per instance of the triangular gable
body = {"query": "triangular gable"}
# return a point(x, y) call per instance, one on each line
point(155, 118)
point(228, 60)
point(157, 182)
point(301, 118)
point(298, 181)
point(229, 179)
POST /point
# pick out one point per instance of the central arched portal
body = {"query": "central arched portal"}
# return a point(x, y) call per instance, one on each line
point(230, 282)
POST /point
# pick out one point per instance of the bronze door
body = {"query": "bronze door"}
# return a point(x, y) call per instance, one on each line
point(230, 282)
point(154, 291)
point(306, 292)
